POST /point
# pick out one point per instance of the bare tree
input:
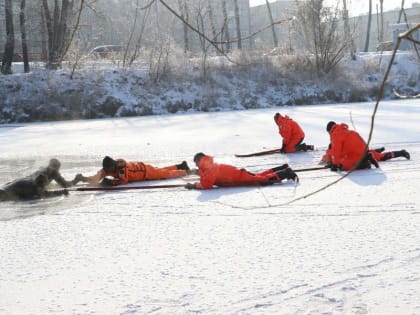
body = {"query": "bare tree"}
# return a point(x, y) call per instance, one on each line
point(369, 24)
point(135, 52)
point(401, 11)
point(132, 31)
point(23, 36)
point(6, 65)
point(55, 34)
point(273, 29)
point(238, 24)
point(347, 32)
point(318, 27)
point(60, 31)
point(226, 26)
point(200, 15)
point(183, 8)
point(211, 18)
point(381, 21)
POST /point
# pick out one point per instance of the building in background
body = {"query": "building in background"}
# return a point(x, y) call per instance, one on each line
point(285, 10)
point(411, 17)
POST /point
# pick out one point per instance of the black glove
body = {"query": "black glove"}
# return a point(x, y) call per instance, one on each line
point(190, 186)
point(106, 182)
point(276, 116)
point(334, 168)
point(282, 150)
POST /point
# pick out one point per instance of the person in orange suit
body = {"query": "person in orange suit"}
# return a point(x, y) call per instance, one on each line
point(224, 175)
point(347, 148)
point(292, 135)
point(124, 172)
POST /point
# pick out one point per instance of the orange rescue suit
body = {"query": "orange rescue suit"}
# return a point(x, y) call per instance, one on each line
point(227, 175)
point(347, 146)
point(290, 131)
point(137, 171)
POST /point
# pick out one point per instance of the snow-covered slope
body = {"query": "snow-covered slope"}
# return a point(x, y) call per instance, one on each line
point(105, 89)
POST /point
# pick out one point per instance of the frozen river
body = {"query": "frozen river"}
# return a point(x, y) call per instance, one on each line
point(353, 248)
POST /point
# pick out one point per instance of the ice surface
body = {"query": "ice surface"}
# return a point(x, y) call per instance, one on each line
point(353, 248)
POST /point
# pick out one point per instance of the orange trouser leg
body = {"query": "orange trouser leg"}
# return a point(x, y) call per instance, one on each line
point(163, 172)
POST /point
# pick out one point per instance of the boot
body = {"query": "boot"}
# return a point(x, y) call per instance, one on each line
point(281, 167)
point(403, 153)
point(287, 174)
point(183, 166)
point(304, 147)
point(395, 154)
point(380, 150)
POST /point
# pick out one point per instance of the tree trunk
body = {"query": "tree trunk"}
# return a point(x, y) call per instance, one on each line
point(401, 11)
point(184, 15)
point(369, 24)
point(23, 36)
point(62, 28)
point(140, 36)
point(212, 24)
point(44, 35)
point(347, 32)
point(133, 28)
point(273, 29)
point(381, 17)
point(57, 31)
point(50, 31)
point(238, 24)
point(6, 65)
point(157, 28)
point(226, 26)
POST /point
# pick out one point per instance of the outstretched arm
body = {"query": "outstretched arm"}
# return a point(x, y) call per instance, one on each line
point(78, 178)
point(62, 182)
point(54, 193)
point(94, 179)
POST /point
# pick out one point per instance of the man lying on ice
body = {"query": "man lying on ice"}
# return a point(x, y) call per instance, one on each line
point(224, 175)
point(124, 172)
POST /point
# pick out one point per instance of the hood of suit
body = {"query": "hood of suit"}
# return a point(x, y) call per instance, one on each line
point(281, 119)
point(339, 127)
point(205, 162)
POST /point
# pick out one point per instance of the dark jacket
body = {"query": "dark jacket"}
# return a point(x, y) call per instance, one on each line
point(34, 185)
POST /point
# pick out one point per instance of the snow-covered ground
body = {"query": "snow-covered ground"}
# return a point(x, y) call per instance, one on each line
point(353, 248)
